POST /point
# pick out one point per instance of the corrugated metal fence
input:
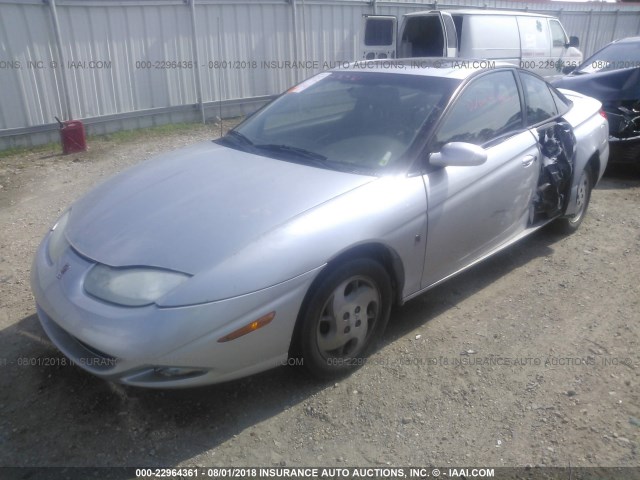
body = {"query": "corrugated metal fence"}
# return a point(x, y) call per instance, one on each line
point(120, 64)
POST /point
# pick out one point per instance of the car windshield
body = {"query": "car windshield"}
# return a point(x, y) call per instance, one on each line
point(612, 57)
point(362, 122)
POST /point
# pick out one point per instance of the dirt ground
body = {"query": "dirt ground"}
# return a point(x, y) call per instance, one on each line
point(530, 358)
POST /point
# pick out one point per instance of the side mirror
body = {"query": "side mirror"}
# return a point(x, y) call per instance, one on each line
point(458, 154)
point(573, 42)
point(568, 69)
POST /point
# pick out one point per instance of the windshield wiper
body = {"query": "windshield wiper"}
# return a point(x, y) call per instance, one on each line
point(239, 136)
point(272, 147)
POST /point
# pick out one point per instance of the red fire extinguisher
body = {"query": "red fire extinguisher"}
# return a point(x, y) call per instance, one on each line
point(72, 136)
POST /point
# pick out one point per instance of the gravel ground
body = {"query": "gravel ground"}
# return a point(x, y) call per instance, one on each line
point(562, 310)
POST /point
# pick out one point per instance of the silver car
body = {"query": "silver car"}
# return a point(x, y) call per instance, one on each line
point(293, 235)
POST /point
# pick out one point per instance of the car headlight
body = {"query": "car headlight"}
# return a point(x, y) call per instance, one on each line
point(132, 287)
point(57, 241)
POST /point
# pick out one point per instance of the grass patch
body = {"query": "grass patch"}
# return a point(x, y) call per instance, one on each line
point(155, 131)
point(47, 147)
point(124, 136)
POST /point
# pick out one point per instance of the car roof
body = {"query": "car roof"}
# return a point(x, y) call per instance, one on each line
point(455, 68)
point(471, 11)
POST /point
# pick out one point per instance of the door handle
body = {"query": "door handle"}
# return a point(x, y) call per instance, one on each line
point(528, 160)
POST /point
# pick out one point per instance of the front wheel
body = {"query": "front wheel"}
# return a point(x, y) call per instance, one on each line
point(571, 223)
point(345, 314)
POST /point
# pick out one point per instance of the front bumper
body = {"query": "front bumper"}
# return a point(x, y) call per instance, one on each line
point(624, 150)
point(132, 344)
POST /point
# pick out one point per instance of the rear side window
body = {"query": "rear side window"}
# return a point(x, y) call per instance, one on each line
point(562, 103)
point(488, 108)
point(538, 98)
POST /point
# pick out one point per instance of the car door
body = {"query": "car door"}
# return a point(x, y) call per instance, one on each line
point(378, 37)
point(451, 34)
point(543, 118)
point(431, 34)
point(472, 210)
point(564, 51)
point(535, 45)
point(559, 42)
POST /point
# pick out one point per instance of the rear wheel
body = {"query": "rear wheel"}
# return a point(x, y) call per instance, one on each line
point(570, 224)
point(345, 314)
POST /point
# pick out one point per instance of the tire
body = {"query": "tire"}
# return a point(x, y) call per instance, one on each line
point(346, 312)
point(569, 224)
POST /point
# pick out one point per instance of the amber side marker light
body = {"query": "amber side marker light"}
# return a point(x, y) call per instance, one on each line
point(252, 327)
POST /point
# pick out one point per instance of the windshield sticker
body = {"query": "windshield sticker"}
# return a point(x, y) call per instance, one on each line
point(307, 83)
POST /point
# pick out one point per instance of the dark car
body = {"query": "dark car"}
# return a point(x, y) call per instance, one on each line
point(612, 75)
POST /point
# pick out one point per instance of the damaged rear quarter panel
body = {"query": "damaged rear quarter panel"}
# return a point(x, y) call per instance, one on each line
point(592, 134)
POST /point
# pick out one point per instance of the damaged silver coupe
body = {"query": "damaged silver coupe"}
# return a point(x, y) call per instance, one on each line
point(293, 235)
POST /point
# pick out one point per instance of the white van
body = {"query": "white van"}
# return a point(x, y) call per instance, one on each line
point(532, 41)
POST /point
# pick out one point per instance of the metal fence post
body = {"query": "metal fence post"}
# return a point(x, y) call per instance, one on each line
point(615, 26)
point(586, 42)
point(63, 72)
point(303, 32)
point(294, 14)
point(196, 60)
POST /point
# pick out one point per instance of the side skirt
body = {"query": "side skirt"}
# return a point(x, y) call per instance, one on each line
point(528, 231)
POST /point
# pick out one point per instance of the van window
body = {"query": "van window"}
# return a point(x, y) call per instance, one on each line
point(378, 32)
point(488, 108)
point(558, 36)
point(424, 35)
point(540, 103)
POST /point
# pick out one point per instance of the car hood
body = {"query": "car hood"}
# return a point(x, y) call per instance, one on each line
point(614, 85)
point(190, 209)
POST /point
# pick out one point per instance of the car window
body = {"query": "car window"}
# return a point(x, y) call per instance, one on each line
point(614, 56)
point(347, 120)
point(327, 100)
point(561, 101)
point(378, 32)
point(558, 36)
point(489, 107)
point(538, 98)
